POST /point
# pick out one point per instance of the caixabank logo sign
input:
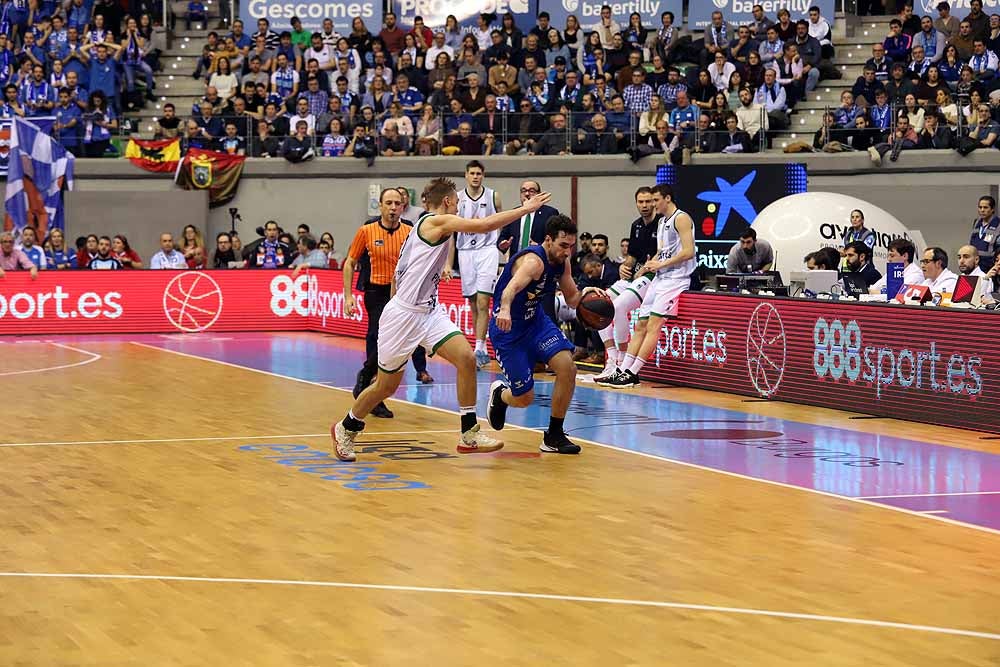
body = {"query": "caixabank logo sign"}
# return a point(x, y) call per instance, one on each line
point(842, 355)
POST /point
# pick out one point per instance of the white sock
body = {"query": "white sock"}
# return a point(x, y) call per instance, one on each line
point(614, 354)
point(610, 364)
point(637, 366)
point(480, 345)
point(626, 362)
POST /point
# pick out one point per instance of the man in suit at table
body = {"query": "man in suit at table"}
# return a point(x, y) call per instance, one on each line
point(513, 236)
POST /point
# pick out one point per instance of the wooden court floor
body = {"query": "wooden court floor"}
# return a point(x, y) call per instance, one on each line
point(175, 527)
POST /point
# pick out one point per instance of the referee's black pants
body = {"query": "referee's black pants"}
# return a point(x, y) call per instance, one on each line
point(376, 297)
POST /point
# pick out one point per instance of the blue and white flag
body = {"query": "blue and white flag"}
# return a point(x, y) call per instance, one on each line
point(38, 164)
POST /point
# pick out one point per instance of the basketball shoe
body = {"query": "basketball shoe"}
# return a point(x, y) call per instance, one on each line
point(474, 442)
point(344, 442)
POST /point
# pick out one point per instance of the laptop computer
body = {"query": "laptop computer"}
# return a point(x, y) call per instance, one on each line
point(854, 285)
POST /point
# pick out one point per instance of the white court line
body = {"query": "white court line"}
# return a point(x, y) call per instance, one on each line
point(933, 511)
point(860, 501)
point(933, 495)
point(746, 611)
point(93, 357)
point(234, 437)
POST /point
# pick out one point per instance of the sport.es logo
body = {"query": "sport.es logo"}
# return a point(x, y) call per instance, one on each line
point(839, 352)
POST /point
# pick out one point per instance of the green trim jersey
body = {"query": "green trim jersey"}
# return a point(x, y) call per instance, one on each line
point(669, 244)
point(482, 206)
point(418, 271)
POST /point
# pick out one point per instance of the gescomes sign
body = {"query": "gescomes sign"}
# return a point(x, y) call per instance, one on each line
point(312, 13)
point(918, 364)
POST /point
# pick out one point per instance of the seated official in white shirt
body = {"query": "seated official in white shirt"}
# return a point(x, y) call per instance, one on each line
point(901, 251)
point(936, 273)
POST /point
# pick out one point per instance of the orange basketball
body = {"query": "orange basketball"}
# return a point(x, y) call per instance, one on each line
point(595, 311)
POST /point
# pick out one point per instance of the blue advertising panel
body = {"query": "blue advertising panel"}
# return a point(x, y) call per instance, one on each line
point(434, 12)
point(312, 13)
point(739, 12)
point(588, 12)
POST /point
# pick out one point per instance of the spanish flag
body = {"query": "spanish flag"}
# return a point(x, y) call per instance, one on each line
point(162, 155)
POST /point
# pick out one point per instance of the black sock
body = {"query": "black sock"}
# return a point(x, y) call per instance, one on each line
point(556, 425)
point(352, 424)
point(468, 421)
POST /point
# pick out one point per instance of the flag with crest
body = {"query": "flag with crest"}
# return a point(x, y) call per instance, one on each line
point(218, 173)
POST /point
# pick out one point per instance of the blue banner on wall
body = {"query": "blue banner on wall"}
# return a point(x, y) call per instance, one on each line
point(312, 13)
point(739, 12)
point(588, 12)
point(434, 12)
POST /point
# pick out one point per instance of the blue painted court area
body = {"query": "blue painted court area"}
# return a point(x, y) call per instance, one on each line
point(838, 461)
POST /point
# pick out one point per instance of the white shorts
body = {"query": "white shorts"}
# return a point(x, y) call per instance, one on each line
point(402, 329)
point(663, 296)
point(478, 271)
point(628, 294)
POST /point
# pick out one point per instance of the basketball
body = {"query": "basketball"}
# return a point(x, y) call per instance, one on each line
point(596, 311)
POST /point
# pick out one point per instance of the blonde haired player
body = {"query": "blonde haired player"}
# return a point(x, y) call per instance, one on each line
point(478, 255)
point(412, 317)
point(629, 292)
point(673, 265)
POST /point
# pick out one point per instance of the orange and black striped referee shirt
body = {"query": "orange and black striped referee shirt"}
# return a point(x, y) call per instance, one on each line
point(383, 246)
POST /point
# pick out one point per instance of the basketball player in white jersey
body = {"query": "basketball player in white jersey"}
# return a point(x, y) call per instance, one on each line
point(412, 317)
point(629, 291)
point(478, 256)
point(673, 265)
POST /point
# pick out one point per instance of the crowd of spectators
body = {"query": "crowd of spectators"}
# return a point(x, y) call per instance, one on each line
point(79, 61)
point(609, 88)
point(931, 84)
point(274, 248)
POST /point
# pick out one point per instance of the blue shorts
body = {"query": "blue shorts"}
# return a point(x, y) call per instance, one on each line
point(518, 355)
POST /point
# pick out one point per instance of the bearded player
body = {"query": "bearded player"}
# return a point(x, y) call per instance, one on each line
point(412, 317)
point(523, 335)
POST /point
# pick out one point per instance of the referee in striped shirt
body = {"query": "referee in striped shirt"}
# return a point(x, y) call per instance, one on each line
point(382, 241)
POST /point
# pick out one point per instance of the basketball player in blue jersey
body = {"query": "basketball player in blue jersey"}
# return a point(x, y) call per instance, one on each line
point(412, 317)
point(673, 265)
point(522, 334)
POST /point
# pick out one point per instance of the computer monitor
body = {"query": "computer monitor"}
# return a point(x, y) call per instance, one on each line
point(817, 282)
